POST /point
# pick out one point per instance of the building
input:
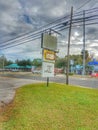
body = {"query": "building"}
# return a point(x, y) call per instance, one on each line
point(16, 67)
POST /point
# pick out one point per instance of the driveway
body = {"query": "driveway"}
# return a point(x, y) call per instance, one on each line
point(8, 86)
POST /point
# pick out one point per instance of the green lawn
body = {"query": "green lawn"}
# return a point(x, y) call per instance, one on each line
point(57, 107)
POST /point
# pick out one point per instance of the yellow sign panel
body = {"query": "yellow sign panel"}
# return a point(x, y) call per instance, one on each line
point(49, 55)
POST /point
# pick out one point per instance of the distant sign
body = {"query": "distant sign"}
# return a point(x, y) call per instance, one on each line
point(71, 62)
point(49, 42)
point(47, 69)
point(48, 55)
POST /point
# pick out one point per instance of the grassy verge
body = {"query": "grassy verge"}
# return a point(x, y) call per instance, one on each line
point(57, 107)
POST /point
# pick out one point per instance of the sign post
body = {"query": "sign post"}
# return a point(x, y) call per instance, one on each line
point(47, 81)
point(49, 45)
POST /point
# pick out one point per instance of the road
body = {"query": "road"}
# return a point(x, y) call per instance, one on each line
point(79, 80)
point(86, 82)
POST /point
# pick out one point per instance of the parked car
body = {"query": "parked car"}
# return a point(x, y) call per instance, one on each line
point(36, 71)
point(94, 74)
point(14, 70)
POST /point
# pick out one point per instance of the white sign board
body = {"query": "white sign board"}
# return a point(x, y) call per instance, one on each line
point(47, 69)
point(49, 42)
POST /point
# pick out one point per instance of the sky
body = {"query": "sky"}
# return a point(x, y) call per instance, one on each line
point(18, 17)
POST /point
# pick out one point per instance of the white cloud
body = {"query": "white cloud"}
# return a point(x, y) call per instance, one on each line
point(15, 18)
point(76, 34)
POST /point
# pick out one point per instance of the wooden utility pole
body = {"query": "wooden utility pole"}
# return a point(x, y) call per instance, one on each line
point(68, 58)
point(83, 43)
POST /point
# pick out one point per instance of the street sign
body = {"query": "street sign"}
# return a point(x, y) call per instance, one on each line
point(49, 42)
point(47, 69)
point(71, 62)
point(48, 55)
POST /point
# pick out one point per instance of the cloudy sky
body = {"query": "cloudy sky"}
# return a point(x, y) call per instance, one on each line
point(20, 17)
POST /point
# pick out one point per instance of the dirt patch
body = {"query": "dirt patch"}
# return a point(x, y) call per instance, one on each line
point(0, 110)
point(2, 106)
point(1, 118)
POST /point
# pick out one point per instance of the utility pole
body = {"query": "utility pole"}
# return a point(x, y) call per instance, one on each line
point(68, 58)
point(83, 43)
point(3, 63)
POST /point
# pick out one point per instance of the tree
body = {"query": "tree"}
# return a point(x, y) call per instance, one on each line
point(76, 58)
point(16, 61)
point(1, 62)
point(87, 57)
point(37, 62)
point(4, 61)
point(8, 62)
point(23, 62)
point(60, 63)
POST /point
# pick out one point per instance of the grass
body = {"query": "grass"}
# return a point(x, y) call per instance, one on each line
point(57, 107)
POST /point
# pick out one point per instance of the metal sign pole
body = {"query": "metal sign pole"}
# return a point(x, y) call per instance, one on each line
point(48, 77)
point(47, 81)
point(83, 43)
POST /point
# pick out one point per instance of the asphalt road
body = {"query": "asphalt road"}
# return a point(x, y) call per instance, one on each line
point(80, 80)
point(85, 82)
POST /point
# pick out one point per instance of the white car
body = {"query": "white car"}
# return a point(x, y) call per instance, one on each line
point(36, 71)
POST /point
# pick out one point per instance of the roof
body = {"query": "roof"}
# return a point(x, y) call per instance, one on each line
point(16, 66)
point(28, 67)
point(12, 66)
point(94, 62)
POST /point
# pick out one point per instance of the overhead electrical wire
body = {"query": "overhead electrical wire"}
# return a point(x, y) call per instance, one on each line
point(34, 35)
point(85, 3)
point(80, 19)
point(37, 37)
point(5, 47)
point(50, 23)
point(31, 32)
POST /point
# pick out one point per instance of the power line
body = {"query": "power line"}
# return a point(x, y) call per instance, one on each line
point(31, 32)
point(37, 37)
point(85, 3)
point(34, 38)
point(34, 35)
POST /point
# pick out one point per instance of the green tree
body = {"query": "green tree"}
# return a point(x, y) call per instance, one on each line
point(60, 62)
point(1, 62)
point(23, 62)
point(8, 62)
point(4, 61)
point(76, 58)
point(87, 57)
point(37, 62)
